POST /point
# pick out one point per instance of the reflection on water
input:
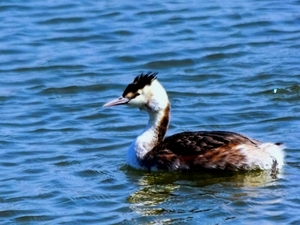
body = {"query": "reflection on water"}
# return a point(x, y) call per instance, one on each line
point(157, 188)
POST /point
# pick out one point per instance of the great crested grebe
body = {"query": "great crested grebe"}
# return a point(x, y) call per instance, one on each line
point(221, 150)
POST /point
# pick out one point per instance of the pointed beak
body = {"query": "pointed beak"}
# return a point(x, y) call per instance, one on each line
point(118, 101)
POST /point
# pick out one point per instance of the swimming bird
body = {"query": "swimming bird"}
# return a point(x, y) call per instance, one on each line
point(221, 150)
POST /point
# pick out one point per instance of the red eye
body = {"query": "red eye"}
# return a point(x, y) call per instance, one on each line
point(136, 94)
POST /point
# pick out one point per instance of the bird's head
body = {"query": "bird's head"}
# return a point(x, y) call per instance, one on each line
point(145, 93)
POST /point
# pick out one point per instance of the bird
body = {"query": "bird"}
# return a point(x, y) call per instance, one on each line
point(192, 150)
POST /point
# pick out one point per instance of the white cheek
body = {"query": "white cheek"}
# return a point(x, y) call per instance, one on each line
point(138, 101)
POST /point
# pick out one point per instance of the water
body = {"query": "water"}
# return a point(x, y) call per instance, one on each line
point(226, 66)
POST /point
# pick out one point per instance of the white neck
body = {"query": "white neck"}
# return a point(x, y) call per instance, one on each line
point(158, 109)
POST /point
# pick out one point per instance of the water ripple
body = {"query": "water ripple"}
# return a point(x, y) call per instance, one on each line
point(232, 66)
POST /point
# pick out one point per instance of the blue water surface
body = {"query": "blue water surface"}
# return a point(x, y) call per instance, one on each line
point(230, 65)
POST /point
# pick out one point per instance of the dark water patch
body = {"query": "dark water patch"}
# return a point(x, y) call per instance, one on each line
point(72, 39)
point(63, 90)
point(169, 63)
point(254, 24)
point(13, 7)
point(127, 59)
point(89, 173)
point(262, 43)
point(124, 33)
point(57, 21)
point(33, 218)
point(44, 68)
point(221, 56)
point(223, 47)
point(111, 14)
point(284, 95)
point(13, 213)
point(67, 163)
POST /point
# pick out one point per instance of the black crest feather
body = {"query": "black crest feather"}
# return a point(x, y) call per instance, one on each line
point(145, 79)
point(140, 82)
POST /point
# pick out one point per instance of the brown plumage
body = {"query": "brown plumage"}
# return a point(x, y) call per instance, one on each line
point(198, 150)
